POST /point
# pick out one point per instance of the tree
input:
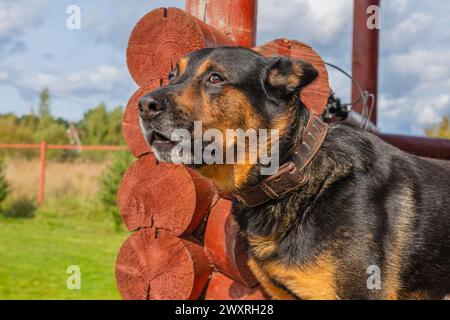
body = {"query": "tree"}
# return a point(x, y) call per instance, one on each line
point(44, 106)
point(110, 181)
point(51, 130)
point(441, 130)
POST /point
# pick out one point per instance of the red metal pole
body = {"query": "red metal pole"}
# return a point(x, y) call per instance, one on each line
point(235, 18)
point(420, 146)
point(365, 52)
point(42, 172)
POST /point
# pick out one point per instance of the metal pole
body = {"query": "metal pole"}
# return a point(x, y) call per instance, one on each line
point(42, 172)
point(365, 52)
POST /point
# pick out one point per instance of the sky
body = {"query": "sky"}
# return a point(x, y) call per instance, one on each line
point(84, 67)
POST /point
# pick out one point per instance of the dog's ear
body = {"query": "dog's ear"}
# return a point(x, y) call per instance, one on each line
point(286, 76)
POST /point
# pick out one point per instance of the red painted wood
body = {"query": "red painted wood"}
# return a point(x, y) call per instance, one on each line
point(314, 96)
point(159, 266)
point(234, 18)
point(163, 36)
point(166, 196)
point(225, 247)
point(60, 147)
point(131, 128)
point(42, 162)
point(365, 54)
point(221, 287)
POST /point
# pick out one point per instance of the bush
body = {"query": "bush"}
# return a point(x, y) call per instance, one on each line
point(21, 207)
point(110, 181)
point(4, 187)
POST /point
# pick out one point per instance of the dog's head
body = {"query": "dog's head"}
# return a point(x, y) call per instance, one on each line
point(223, 88)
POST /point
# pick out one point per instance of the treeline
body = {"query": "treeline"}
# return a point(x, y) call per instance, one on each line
point(97, 127)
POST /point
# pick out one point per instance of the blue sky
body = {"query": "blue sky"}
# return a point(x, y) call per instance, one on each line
point(84, 67)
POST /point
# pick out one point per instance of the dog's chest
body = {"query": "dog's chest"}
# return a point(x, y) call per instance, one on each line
point(312, 280)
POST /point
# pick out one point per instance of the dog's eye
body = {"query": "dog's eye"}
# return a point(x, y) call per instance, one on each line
point(215, 78)
point(171, 76)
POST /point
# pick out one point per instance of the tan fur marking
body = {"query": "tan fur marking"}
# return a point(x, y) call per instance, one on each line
point(314, 281)
point(262, 247)
point(395, 253)
point(290, 81)
point(232, 110)
point(281, 123)
point(187, 100)
point(416, 295)
point(274, 291)
point(182, 65)
point(207, 64)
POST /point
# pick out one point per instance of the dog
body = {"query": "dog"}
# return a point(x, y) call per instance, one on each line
point(363, 220)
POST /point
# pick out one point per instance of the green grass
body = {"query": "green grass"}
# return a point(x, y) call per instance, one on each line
point(36, 252)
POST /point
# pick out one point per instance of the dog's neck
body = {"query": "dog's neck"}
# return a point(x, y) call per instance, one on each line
point(300, 150)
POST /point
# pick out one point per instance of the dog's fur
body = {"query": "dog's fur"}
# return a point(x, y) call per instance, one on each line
point(366, 203)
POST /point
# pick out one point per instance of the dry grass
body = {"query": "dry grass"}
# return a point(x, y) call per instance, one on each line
point(61, 180)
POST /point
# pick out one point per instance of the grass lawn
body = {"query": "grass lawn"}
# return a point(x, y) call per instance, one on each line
point(36, 252)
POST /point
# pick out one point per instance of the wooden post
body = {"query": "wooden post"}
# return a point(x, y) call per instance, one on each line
point(365, 54)
point(235, 18)
point(42, 172)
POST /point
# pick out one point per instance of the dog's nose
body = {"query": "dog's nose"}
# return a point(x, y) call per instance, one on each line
point(149, 107)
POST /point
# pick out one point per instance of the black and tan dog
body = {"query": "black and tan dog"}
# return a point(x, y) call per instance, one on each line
point(361, 206)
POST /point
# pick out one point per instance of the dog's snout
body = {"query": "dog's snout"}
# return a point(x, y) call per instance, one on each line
point(149, 107)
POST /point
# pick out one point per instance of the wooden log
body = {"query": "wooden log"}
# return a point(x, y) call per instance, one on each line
point(315, 95)
point(235, 18)
point(166, 196)
point(131, 128)
point(161, 266)
point(163, 36)
point(224, 246)
point(221, 287)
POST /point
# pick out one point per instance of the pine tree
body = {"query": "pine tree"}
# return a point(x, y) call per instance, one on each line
point(44, 104)
point(110, 181)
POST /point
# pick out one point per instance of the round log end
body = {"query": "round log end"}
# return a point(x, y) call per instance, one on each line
point(159, 266)
point(131, 128)
point(165, 196)
point(223, 288)
point(225, 248)
point(162, 37)
point(315, 95)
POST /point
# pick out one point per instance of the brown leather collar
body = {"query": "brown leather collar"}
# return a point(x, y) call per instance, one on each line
point(290, 175)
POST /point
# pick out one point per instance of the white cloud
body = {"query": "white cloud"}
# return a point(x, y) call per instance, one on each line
point(320, 21)
point(104, 79)
point(426, 65)
point(406, 30)
point(413, 113)
point(18, 14)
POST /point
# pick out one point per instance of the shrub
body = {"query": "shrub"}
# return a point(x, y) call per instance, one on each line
point(4, 187)
point(21, 207)
point(110, 180)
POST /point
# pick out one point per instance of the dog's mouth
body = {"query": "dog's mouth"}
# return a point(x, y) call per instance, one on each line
point(158, 140)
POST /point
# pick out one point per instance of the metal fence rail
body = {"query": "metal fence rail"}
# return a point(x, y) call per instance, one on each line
point(43, 147)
